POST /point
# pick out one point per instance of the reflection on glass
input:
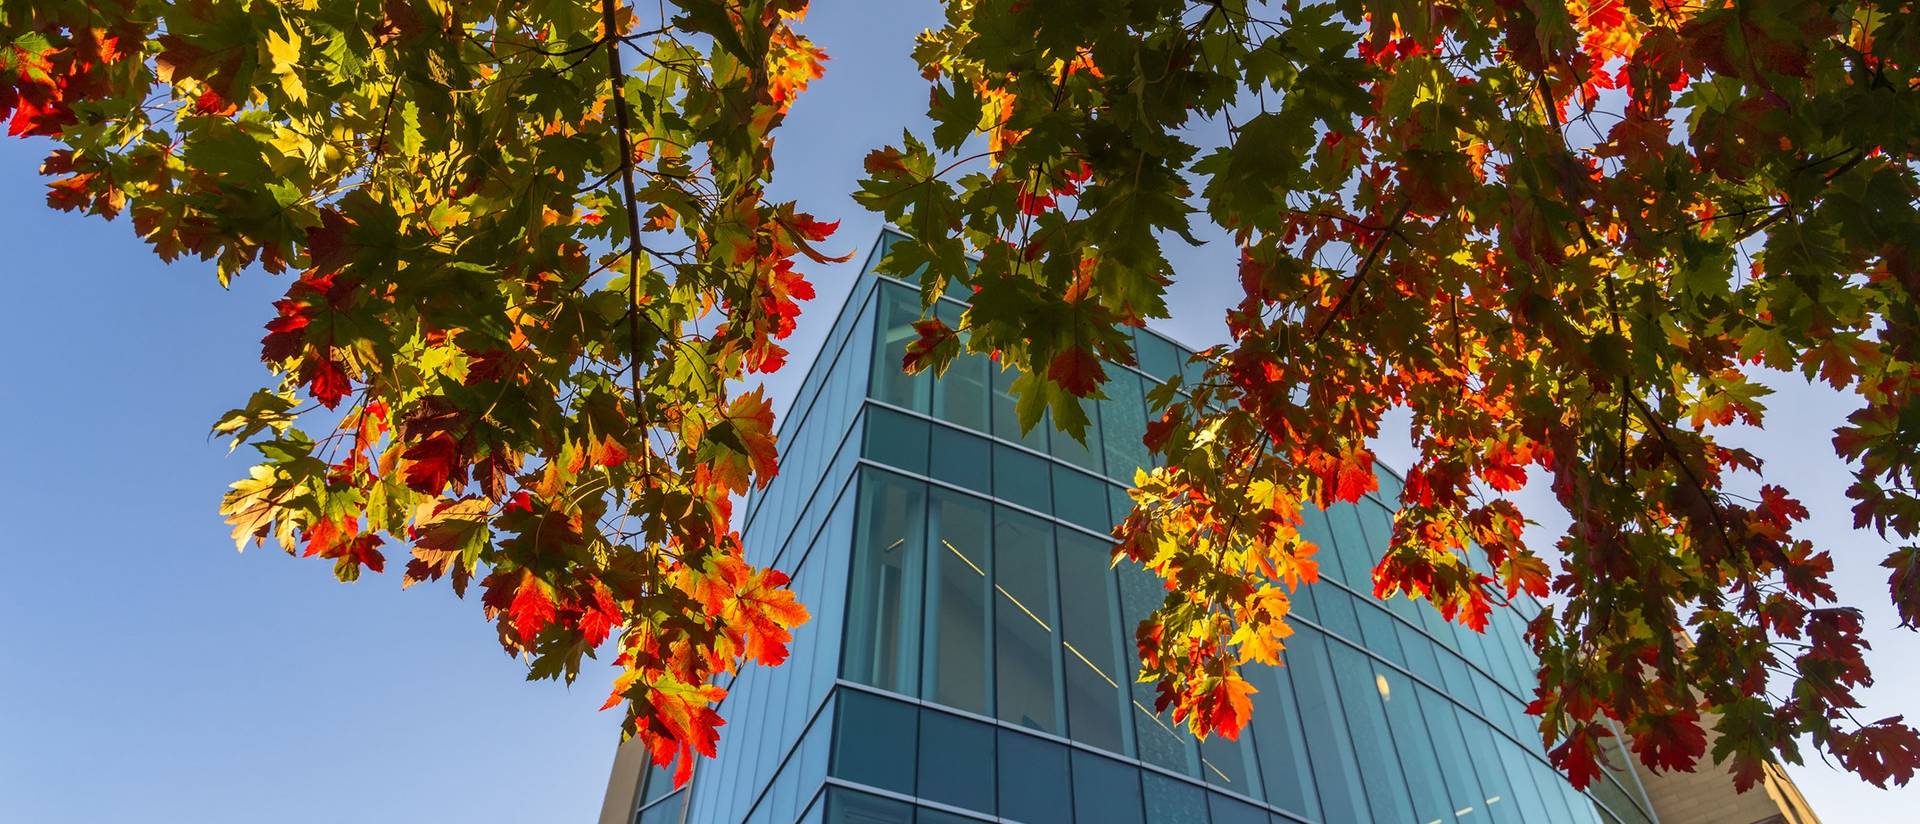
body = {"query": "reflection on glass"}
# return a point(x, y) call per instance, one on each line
point(883, 609)
point(959, 586)
point(899, 308)
point(1091, 636)
point(1329, 746)
point(1173, 802)
point(1160, 742)
point(960, 395)
point(962, 459)
point(845, 806)
point(1360, 694)
point(1123, 426)
point(1027, 646)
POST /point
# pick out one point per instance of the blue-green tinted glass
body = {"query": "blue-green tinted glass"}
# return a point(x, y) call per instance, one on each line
point(883, 604)
point(1161, 743)
point(1484, 753)
point(1091, 636)
point(1105, 791)
point(1377, 630)
point(1334, 607)
point(1354, 558)
point(956, 761)
point(1329, 745)
point(929, 815)
point(1372, 742)
point(1083, 452)
point(1026, 646)
point(1006, 423)
point(1416, 750)
point(1021, 478)
point(1119, 503)
point(1123, 426)
point(845, 806)
point(1420, 652)
point(1229, 765)
point(1524, 795)
point(899, 308)
point(961, 394)
point(1170, 801)
point(665, 812)
point(959, 588)
point(897, 440)
point(874, 741)
point(1079, 498)
point(1233, 811)
point(1034, 783)
point(1279, 742)
point(1462, 786)
point(963, 459)
point(1158, 357)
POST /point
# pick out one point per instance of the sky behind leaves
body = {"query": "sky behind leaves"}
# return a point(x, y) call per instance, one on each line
point(158, 676)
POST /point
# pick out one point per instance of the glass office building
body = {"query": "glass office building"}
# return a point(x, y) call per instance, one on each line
point(970, 656)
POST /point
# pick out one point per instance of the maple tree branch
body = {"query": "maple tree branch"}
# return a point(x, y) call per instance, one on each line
point(1360, 275)
point(1659, 429)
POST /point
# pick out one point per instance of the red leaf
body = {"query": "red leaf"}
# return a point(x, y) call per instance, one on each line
point(1230, 705)
point(1672, 741)
point(532, 608)
point(1579, 755)
point(433, 462)
point(1077, 370)
point(326, 381)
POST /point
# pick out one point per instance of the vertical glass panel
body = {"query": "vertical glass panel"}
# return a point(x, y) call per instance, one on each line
point(1360, 693)
point(896, 439)
point(845, 806)
point(1376, 630)
point(1419, 653)
point(1123, 426)
point(1006, 424)
point(1462, 786)
point(961, 394)
point(1334, 606)
point(963, 459)
point(1329, 746)
point(1233, 811)
point(1172, 801)
point(1090, 631)
point(1026, 646)
point(1229, 765)
point(1119, 503)
point(1105, 791)
point(666, 812)
point(1416, 751)
point(959, 587)
point(1524, 795)
point(1079, 498)
point(874, 741)
point(1157, 355)
point(1279, 742)
point(1034, 783)
point(1021, 478)
point(899, 308)
point(1483, 752)
point(1160, 742)
point(1350, 551)
point(956, 761)
point(883, 609)
point(1083, 452)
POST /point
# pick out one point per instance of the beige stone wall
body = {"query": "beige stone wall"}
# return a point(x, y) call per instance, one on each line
point(1706, 796)
point(623, 787)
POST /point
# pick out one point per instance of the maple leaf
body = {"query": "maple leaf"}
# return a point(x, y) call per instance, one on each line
point(433, 463)
point(531, 608)
point(1077, 370)
point(1230, 704)
point(1671, 741)
point(935, 344)
point(1579, 755)
point(740, 448)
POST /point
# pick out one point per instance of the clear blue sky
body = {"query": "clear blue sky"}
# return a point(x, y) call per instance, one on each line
point(158, 676)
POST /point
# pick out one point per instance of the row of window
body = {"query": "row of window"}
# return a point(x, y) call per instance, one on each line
point(996, 612)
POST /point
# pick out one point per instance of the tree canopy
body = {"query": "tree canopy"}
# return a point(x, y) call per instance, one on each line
point(532, 268)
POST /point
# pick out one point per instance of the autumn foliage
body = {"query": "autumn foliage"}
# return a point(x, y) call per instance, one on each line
point(529, 260)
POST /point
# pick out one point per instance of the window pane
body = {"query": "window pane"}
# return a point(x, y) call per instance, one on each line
point(1161, 743)
point(1484, 754)
point(1351, 555)
point(1090, 628)
point(1105, 791)
point(963, 459)
point(1233, 811)
point(874, 741)
point(1462, 786)
point(896, 439)
point(1006, 424)
point(1021, 478)
point(1171, 801)
point(845, 806)
point(1416, 750)
point(1157, 355)
point(960, 534)
point(1360, 693)
point(1033, 779)
point(1080, 499)
point(1123, 425)
point(1376, 630)
point(956, 761)
point(883, 610)
point(899, 308)
point(1027, 651)
point(960, 395)
point(1278, 740)
point(1329, 747)
point(1229, 764)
